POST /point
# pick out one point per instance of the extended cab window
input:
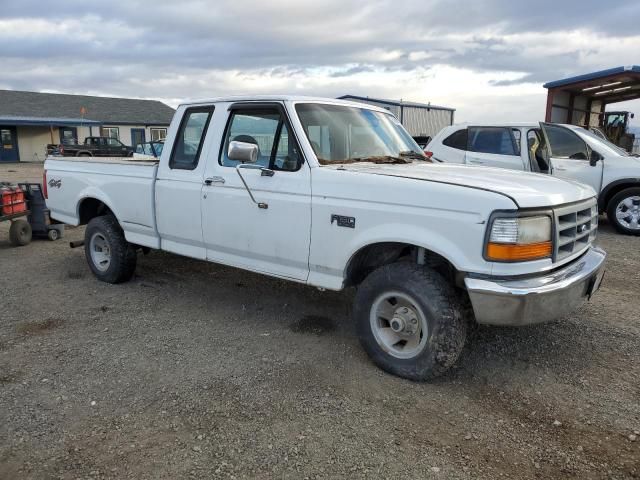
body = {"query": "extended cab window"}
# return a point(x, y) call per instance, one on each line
point(190, 137)
point(563, 143)
point(457, 140)
point(267, 128)
point(496, 140)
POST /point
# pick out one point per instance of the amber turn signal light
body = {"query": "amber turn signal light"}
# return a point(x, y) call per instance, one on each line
point(518, 253)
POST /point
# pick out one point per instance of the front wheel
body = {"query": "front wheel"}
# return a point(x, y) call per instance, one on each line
point(623, 211)
point(410, 321)
point(111, 258)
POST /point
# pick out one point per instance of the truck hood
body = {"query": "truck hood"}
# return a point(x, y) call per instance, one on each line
point(527, 190)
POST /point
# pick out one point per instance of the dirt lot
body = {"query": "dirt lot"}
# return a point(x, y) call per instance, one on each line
point(194, 370)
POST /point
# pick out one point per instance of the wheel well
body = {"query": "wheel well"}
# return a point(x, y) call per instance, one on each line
point(91, 208)
point(614, 190)
point(368, 258)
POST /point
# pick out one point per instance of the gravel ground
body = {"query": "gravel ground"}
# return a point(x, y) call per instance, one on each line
point(194, 370)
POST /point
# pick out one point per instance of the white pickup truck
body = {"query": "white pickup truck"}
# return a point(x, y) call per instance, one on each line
point(564, 151)
point(337, 194)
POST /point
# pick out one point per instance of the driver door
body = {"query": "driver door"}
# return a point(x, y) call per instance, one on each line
point(569, 156)
point(259, 218)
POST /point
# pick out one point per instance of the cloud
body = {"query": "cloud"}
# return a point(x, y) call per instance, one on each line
point(495, 53)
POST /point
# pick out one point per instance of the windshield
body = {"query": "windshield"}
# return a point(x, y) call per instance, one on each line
point(598, 138)
point(342, 134)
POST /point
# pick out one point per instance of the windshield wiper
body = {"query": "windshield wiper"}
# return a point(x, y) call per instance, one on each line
point(412, 154)
point(388, 159)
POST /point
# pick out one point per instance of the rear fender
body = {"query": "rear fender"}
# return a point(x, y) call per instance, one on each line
point(95, 193)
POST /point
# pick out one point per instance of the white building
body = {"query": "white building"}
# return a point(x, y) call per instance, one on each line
point(30, 120)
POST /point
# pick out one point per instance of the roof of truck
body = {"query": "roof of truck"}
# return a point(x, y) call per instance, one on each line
point(281, 98)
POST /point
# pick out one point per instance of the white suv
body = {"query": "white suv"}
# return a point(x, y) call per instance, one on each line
point(565, 151)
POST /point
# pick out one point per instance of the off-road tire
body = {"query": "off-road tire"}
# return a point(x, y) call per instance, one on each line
point(123, 254)
point(442, 306)
point(611, 210)
point(20, 233)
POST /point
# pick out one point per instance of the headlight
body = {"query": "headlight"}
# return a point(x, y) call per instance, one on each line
point(519, 239)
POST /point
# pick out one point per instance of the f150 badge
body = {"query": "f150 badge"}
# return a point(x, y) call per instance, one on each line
point(53, 183)
point(342, 221)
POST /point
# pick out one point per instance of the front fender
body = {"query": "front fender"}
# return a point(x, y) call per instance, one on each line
point(460, 255)
point(613, 186)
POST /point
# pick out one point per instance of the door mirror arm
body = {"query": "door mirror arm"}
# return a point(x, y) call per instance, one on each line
point(249, 166)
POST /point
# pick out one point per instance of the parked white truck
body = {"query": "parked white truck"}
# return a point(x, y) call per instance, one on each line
point(337, 194)
point(564, 151)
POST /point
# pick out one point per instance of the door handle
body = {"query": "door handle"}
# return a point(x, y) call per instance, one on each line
point(476, 162)
point(212, 180)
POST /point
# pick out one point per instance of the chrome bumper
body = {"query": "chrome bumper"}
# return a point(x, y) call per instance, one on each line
point(537, 299)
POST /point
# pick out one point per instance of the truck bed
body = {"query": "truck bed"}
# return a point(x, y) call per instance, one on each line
point(123, 184)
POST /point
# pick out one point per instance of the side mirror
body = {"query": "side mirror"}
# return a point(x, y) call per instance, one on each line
point(243, 152)
point(594, 158)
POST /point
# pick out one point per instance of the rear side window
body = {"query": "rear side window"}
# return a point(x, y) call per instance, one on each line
point(496, 140)
point(565, 144)
point(457, 140)
point(190, 137)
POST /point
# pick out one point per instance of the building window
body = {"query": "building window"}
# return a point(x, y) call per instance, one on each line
point(158, 134)
point(111, 132)
point(68, 135)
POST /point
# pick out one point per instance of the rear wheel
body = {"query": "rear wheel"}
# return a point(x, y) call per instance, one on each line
point(623, 211)
point(20, 233)
point(410, 321)
point(111, 258)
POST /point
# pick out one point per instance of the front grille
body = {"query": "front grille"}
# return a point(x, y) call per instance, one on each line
point(576, 228)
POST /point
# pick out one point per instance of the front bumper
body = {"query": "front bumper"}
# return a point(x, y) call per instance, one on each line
point(537, 299)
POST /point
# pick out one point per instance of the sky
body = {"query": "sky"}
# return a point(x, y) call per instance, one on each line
point(488, 59)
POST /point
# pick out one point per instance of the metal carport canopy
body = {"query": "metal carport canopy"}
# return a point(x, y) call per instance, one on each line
point(581, 99)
